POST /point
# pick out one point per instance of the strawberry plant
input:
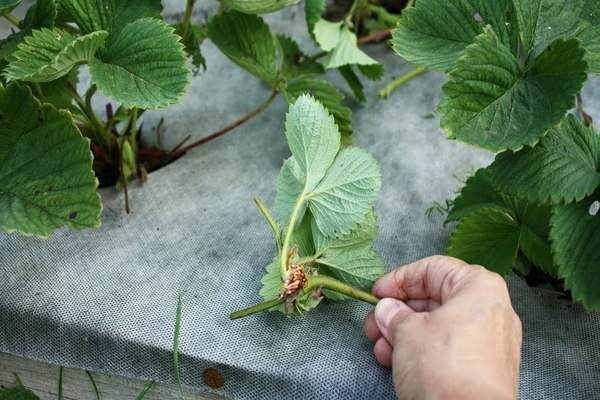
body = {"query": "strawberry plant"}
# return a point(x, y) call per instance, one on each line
point(49, 176)
point(324, 224)
point(515, 68)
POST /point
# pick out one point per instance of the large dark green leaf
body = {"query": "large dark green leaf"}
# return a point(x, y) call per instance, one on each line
point(110, 15)
point(46, 177)
point(563, 167)
point(575, 235)
point(247, 41)
point(435, 33)
point(143, 65)
point(490, 103)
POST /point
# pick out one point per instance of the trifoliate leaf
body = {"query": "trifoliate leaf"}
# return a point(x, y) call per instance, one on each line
point(328, 95)
point(477, 193)
point(575, 235)
point(563, 167)
point(51, 53)
point(489, 103)
point(7, 6)
point(258, 6)
point(143, 66)
point(40, 15)
point(354, 82)
point(247, 41)
point(344, 197)
point(46, 177)
point(313, 10)
point(361, 236)
point(435, 33)
point(359, 267)
point(313, 138)
point(294, 63)
point(290, 185)
point(340, 42)
point(109, 15)
point(17, 393)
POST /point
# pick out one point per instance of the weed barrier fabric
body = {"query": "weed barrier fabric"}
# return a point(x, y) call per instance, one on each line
point(105, 300)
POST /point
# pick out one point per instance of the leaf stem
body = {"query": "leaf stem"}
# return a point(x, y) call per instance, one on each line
point(187, 17)
point(229, 127)
point(265, 212)
point(375, 36)
point(102, 132)
point(410, 3)
point(283, 257)
point(315, 282)
point(13, 20)
point(389, 88)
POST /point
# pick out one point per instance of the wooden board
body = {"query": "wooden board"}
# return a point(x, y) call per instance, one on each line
point(42, 379)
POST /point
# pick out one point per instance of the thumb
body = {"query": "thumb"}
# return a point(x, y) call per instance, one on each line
point(390, 312)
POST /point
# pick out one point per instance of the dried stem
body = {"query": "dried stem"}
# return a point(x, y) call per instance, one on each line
point(375, 36)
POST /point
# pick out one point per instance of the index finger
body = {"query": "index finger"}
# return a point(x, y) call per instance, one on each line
point(434, 277)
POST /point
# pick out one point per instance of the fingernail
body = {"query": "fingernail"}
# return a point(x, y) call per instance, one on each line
point(386, 310)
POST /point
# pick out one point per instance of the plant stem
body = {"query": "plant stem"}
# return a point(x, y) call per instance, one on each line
point(265, 212)
point(229, 127)
point(587, 118)
point(283, 257)
point(13, 20)
point(409, 3)
point(324, 282)
point(375, 36)
point(389, 88)
point(103, 134)
point(123, 177)
point(187, 17)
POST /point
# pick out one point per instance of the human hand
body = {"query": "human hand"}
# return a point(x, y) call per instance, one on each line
point(448, 331)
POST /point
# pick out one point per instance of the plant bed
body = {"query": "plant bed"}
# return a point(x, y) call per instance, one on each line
point(105, 299)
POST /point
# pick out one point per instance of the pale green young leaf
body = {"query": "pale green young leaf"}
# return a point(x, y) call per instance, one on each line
point(313, 138)
point(142, 66)
point(477, 193)
point(575, 235)
point(313, 10)
point(109, 15)
point(489, 103)
point(361, 236)
point(344, 197)
point(563, 167)
point(46, 177)
point(327, 94)
point(7, 6)
point(258, 6)
point(290, 185)
point(51, 53)
point(359, 267)
point(340, 42)
point(294, 63)
point(435, 33)
point(247, 41)
point(488, 237)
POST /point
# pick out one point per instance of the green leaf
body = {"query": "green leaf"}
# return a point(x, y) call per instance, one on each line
point(575, 235)
point(313, 10)
point(490, 104)
point(290, 185)
point(435, 33)
point(340, 42)
point(258, 6)
point(563, 167)
point(192, 43)
point(110, 15)
point(535, 236)
point(372, 72)
point(17, 393)
point(344, 197)
point(46, 177)
point(7, 6)
point(40, 15)
point(303, 238)
point(359, 267)
point(247, 41)
point(589, 34)
point(361, 236)
point(477, 193)
point(294, 62)
point(56, 92)
point(142, 66)
point(313, 138)
point(354, 82)
point(327, 94)
point(51, 53)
